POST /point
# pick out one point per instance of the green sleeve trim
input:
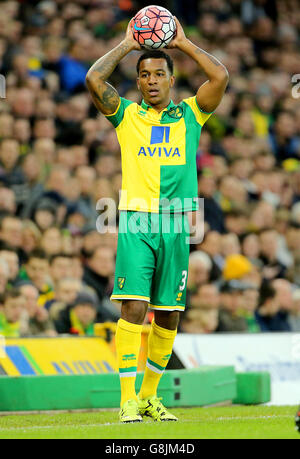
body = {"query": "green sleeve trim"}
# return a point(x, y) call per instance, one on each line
point(117, 117)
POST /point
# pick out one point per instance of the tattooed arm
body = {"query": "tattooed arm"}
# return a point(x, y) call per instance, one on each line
point(209, 95)
point(104, 96)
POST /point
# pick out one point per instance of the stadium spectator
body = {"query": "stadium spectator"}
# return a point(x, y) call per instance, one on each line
point(11, 231)
point(45, 215)
point(52, 241)
point(4, 275)
point(294, 316)
point(31, 236)
point(200, 266)
point(251, 249)
point(60, 267)
point(212, 246)
point(72, 66)
point(202, 312)
point(36, 322)
point(36, 270)
point(249, 307)
point(213, 212)
point(11, 228)
point(58, 157)
point(206, 297)
point(91, 239)
point(268, 314)
point(98, 272)
point(230, 245)
point(199, 321)
point(10, 173)
point(65, 292)
point(80, 317)
point(7, 200)
point(8, 254)
point(231, 297)
point(272, 267)
point(13, 304)
point(284, 140)
point(77, 267)
point(284, 294)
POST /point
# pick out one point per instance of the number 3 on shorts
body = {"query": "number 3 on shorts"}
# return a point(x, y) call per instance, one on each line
point(183, 280)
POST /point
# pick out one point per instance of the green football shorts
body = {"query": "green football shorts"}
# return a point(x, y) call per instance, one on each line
point(152, 259)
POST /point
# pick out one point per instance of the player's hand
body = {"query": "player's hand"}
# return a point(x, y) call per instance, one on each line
point(179, 38)
point(41, 314)
point(129, 38)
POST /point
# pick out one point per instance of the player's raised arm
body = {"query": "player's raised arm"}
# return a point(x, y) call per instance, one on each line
point(209, 95)
point(104, 96)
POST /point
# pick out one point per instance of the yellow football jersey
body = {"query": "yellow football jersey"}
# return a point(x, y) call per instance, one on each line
point(158, 152)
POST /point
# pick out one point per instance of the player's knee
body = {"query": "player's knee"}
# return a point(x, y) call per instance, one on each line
point(166, 319)
point(134, 311)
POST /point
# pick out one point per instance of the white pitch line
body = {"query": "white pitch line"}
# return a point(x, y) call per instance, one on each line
point(70, 426)
point(80, 426)
point(249, 418)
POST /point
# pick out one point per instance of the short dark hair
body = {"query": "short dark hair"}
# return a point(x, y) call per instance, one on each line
point(38, 253)
point(14, 292)
point(152, 54)
point(4, 247)
point(266, 292)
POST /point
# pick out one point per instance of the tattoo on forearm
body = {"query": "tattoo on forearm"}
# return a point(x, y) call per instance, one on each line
point(110, 98)
point(105, 96)
point(106, 64)
point(210, 57)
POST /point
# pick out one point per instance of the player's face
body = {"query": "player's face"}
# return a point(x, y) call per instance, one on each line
point(155, 81)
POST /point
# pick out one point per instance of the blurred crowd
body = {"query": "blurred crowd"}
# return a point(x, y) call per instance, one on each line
point(58, 157)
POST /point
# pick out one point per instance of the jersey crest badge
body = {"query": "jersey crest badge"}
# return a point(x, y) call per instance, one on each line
point(121, 282)
point(175, 112)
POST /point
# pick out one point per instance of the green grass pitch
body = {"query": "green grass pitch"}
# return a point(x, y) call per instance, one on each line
point(234, 422)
